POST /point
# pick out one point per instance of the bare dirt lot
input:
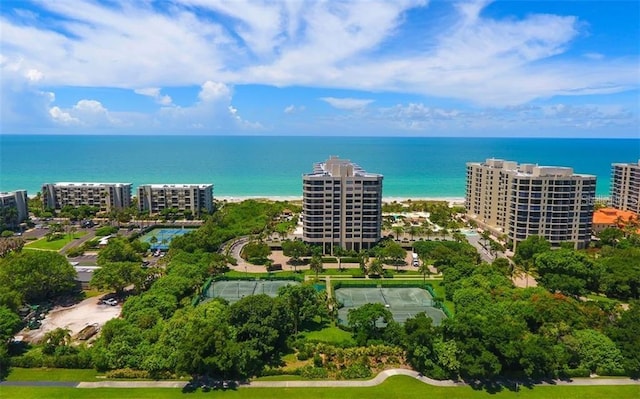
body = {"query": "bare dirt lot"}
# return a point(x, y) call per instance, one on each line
point(75, 318)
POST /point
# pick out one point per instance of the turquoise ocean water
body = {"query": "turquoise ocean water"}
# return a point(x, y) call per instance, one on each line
point(273, 166)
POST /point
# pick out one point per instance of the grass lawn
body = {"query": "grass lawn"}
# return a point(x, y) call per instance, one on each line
point(293, 275)
point(603, 299)
point(439, 290)
point(400, 387)
point(330, 335)
point(54, 245)
point(287, 377)
point(46, 374)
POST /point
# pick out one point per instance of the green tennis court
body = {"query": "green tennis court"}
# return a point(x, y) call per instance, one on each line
point(403, 303)
point(233, 291)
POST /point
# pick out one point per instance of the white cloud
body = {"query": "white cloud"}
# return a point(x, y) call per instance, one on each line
point(154, 92)
point(291, 109)
point(34, 75)
point(86, 113)
point(360, 45)
point(62, 117)
point(212, 91)
point(350, 104)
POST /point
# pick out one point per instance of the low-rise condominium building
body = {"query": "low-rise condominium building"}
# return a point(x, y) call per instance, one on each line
point(14, 208)
point(105, 196)
point(342, 206)
point(197, 198)
point(604, 218)
point(625, 186)
point(516, 201)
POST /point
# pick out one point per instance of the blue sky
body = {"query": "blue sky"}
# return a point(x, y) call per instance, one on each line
point(391, 68)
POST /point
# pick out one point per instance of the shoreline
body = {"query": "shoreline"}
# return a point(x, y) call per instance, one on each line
point(240, 198)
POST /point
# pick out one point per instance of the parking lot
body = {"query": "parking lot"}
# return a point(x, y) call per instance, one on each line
point(74, 318)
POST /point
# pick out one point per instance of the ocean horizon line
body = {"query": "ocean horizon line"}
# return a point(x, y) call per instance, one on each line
point(258, 166)
point(271, 135)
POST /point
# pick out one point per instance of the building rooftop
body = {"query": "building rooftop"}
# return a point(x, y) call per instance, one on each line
point(177, 185)
point(627, 164)
point(87, 184)
point(611, 216)
point(336, 167)
point(532, 170)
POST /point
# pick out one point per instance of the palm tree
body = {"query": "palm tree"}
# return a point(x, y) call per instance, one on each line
point(424, 270)
point(528, 268)
point(459, 237)
point(376, 267)
point(485, 236)
point(413, 231)
point(363, 257)
point(428, 232)
point(316, 264)
point(444, 232)
point(398, 230)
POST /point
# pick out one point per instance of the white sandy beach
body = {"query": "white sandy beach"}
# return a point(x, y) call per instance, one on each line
point(451, 200)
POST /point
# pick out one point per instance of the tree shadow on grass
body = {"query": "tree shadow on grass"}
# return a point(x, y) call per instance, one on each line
point(498, 385)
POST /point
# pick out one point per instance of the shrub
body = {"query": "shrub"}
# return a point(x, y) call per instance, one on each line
point(317, 360)
point(274, 267)
point(106, 230)
point(356, 370)
point(128, 374)
point(91, 244)
point(303, 355)
point(571, 373)
point(29, 360)
point(313, 372)
point(73, 252)
point(611, 372)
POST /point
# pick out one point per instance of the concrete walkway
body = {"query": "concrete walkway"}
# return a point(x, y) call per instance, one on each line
point(377, 380)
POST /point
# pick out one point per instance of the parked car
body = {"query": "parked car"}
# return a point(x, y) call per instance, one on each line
point(110, 302)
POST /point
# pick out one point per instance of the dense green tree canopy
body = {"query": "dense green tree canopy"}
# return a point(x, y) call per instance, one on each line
point(9, 324)
point(369, 322)
point(262, 324)
point(530, 247)
point(37, 275)
point(620, 273)
point(118, 250)
point(295, 249)
point(567, 271)
point(117, 276)
point(256, 251)
point(302, 304)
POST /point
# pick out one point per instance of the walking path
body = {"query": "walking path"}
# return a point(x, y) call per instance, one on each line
point(377, 380)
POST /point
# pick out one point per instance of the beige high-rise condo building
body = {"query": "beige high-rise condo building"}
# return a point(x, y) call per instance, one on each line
point(105, 196)
point(14, 208)
point(342, 206)
point(625, 186)
point(523, 200)
point(196, 198)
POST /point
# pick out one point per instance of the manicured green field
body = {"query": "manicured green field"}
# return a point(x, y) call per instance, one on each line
point(329, 335)
point(286, 377)
point(46, 374)
point(54, 245)
point(399, 387)
point(284, 274)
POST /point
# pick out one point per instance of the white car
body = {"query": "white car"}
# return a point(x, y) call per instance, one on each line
point(110, 302)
